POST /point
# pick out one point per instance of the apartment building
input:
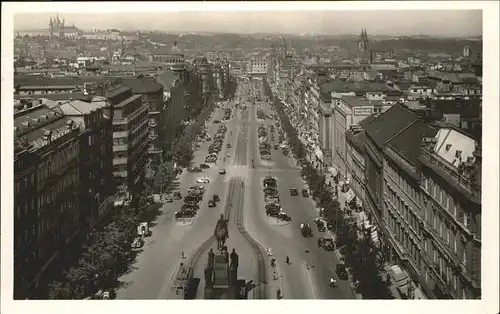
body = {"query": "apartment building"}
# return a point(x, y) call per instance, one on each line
point(130, 138)
point(94, 117)
point(347, 111)
point(152, 96)
point(355, 161)
point(47, 211)
point(451, 197)
point(425, 200)
point(258, 65)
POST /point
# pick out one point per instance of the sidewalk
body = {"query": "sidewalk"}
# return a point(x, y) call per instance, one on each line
point(274, 279)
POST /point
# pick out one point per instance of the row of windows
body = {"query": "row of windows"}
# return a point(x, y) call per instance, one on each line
point(61, 186)
point(23, 183)
point(402, 236)
point(58, 161)
point(446, 234)
point(443, 268)
point(50, 223)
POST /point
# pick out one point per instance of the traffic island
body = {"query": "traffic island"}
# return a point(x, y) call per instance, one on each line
point(184, 221)
point(273, 221)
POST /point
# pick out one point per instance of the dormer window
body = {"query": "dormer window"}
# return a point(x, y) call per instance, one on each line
point(448, 146)
point(458, 153)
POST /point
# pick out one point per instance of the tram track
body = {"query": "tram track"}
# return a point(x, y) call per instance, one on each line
point(256, 248)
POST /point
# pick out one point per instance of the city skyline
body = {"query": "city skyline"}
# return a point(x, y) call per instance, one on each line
point(440, 23)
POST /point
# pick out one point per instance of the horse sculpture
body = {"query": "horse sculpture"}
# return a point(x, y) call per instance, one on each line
point(221, 233)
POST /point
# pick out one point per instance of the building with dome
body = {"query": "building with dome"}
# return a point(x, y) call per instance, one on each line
point(174, 57)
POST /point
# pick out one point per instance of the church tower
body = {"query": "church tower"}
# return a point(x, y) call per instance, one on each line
point(363, 45)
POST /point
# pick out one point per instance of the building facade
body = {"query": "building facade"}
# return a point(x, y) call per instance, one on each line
point(152, 96)
point(46, 193)
point(95, 120)
point(347, 111)
point(451, 196)
point(130, 139)
point(258, 65)
point(425, 200)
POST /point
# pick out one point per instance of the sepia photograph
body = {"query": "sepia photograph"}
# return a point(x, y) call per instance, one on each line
point(244, 153)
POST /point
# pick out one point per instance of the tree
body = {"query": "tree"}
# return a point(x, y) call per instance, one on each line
point(60, 291)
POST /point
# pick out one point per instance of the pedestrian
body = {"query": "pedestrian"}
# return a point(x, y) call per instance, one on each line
point(182, 255)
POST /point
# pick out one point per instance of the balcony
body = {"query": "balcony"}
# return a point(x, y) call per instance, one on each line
point(120, 148)
point(152, 136)
point(120, 161)
point(436, 162)
point(152, 123)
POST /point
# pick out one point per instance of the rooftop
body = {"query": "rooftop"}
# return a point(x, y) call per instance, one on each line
point(449, 142)
point(340, 86)
point(31, 125)
point(142, 85)
point(79, 107)
point(167, 79)
point(58, 81)
point(117, 90)
point(389, 124)
point(360, 101)
point(406, 142)
point(127, 101)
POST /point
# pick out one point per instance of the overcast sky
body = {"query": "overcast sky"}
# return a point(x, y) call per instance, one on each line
point(411, 22)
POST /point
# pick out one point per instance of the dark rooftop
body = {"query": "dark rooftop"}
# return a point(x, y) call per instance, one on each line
point(167, 79)
point(341, 86)
point(407, 142)
point(142, 85)
point(113, 92)
point(58, 81)
point(389, 124)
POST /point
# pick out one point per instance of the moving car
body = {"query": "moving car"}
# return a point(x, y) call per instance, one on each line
point(177, 195)
point(203, 180)
point(204, 166)
point(294, 192)
point(211, 203)
point(216, 198)
point(228, 145)
point(216, 121)
point(222, 171)
point(341, 271)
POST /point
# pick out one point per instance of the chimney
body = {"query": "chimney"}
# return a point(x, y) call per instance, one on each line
point(40, 101)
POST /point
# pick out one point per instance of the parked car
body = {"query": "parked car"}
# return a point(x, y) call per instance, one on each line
point(216, 198)
point(204, 166)
point(305, 193)
point(216, 121)
point(169, 199)
point(228, 145)
point(222, 171)
point(177, 195)
point(211, 203)
point(137, 243)
point(294, 192)
point(341, 271)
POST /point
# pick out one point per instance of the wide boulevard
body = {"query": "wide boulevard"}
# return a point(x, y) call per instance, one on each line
point(306, 277)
